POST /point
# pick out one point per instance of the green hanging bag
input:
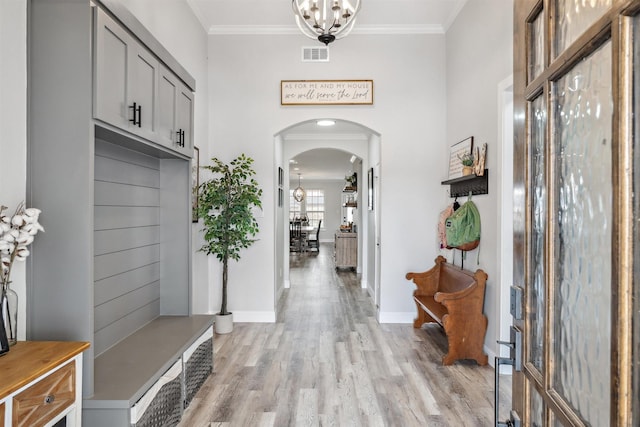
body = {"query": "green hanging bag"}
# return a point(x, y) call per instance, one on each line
point(463, 228)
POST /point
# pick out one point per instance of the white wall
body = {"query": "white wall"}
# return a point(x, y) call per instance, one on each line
point(408, 111)
point(479, 58)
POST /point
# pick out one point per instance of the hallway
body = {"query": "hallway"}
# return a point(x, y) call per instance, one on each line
point(328, 362)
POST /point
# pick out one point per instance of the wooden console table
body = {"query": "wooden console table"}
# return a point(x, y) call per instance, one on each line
point(41, 383)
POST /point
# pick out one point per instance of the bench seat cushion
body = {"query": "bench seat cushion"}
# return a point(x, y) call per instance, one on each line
point(433, 308)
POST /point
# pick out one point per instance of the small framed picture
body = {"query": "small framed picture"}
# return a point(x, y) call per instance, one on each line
point(456, 151)
point(280, 197)
point(370, 189)
point(195, 183)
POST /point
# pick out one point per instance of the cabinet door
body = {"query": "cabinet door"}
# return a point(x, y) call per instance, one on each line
point(126, 75)
point(184, 120)
point(112, 51)
point(142, 87)
point(167, 98)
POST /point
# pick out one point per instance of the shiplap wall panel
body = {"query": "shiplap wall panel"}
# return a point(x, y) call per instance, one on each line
point(119, 262)
point(116, 152)
point(107, 337)
point(110, 217)
point(115, 194)
point(127, 236)
point(120, 284)
point(111, 170)
point(115, 309)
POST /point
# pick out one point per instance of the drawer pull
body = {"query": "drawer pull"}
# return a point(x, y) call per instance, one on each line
point(49, 399)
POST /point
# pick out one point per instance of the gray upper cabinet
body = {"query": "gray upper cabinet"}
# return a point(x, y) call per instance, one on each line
point(142, 87)
point(175, 113)
point(135, 92)
point(113, 47)
point(184, 119)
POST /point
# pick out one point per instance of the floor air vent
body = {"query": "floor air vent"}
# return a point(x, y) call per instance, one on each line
point(315, 54)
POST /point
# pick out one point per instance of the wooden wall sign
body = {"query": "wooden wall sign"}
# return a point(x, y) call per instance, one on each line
point(326, 92)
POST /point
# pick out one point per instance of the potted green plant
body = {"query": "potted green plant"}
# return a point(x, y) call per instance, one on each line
point(467, 161)
point(225, 203)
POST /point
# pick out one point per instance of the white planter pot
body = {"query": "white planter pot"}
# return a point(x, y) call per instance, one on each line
point(224, 323)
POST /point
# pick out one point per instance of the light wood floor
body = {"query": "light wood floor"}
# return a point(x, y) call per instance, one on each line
point(327, 362)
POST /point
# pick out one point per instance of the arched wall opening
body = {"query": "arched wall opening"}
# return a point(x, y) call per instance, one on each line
point(349, 137)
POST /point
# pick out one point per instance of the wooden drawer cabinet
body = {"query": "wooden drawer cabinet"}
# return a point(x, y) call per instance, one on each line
point(41, 383)
point(45, 399)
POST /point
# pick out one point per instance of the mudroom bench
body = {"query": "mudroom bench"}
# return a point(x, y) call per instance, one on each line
point(150, 377)
point(453, 298)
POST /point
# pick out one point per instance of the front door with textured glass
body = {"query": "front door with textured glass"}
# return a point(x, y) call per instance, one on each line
point(575, 212)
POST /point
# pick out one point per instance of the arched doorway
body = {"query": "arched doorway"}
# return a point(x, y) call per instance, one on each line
point(305, 139)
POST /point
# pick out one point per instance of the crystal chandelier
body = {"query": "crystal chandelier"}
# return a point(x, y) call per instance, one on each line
point(298, 193)
point(325, 20)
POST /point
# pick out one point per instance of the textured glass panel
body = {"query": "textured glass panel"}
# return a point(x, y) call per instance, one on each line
point(582, 345)
point(538, 221)
point(536, 64)
point(573, 17)
point(536, 407)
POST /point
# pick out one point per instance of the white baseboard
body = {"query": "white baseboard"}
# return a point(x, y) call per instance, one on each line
point(364, 284)
point(287, 284)
point(254, 316)
point(396, 317)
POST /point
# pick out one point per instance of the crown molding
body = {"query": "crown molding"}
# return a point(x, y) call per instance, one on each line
point(454, 14)
point(250, 30)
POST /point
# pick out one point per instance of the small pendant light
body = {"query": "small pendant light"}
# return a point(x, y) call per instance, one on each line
point(298, 193)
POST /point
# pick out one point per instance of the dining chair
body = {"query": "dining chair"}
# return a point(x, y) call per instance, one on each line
point(313, 241)
point(295, 236)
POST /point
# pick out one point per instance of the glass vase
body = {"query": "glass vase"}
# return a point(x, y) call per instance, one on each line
point(9, 311)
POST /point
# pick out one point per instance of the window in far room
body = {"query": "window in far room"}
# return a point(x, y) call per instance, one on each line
point(312, 207)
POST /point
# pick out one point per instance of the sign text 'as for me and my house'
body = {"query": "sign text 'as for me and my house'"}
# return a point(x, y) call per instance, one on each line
point(326, 92)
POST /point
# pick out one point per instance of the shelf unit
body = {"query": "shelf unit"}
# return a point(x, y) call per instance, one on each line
point(469, 184)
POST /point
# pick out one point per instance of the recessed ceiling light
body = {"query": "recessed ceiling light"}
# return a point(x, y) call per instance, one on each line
point(326, 122)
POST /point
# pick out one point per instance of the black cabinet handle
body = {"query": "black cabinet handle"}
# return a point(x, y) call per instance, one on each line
point(180, 135)
point(137, 114)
